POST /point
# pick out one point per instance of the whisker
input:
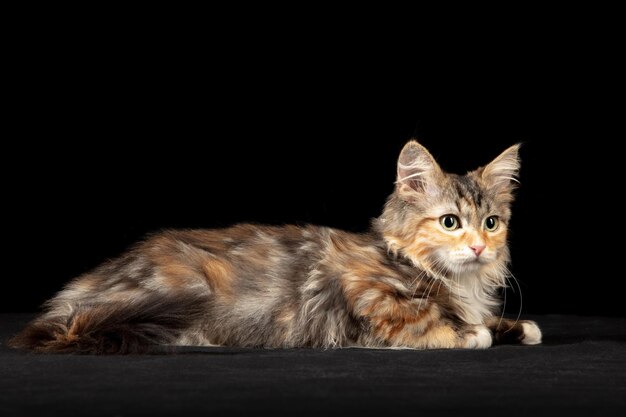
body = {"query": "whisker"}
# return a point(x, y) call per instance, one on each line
point(521, 299)
point(503, 310)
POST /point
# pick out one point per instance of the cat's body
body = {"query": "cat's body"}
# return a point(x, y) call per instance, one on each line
point(310, 286)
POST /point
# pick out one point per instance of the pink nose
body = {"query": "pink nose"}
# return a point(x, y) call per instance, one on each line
point(478, 249)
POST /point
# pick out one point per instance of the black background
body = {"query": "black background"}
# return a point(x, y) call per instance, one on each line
point(118, 136)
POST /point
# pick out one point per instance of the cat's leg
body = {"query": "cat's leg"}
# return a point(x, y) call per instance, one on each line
point(476, 337)
point(438, 335)
point(399, 322)
point(507, 331)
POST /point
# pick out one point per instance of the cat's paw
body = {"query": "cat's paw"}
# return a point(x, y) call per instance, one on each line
point(532, 334)
point(479, 337)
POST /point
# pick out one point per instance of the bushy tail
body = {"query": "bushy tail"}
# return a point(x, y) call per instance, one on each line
point(119, 327)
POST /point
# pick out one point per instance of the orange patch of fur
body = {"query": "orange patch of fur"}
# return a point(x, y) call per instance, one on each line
point(219, 275)
point(180, 268)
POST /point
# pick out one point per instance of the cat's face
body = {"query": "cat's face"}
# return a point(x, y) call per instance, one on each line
point(447, 223)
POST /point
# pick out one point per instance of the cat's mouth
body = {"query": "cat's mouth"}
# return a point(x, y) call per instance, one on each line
point(471, 263)
point(460, 263)
point(460, 266)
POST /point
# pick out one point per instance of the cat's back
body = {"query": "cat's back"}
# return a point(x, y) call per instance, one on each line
point(243, 240)
point(261, 260)
point(240, 254)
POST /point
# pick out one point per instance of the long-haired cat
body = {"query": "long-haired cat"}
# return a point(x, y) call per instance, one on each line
point(426, 275)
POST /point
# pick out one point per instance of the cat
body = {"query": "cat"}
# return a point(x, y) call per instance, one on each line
point(426, 275)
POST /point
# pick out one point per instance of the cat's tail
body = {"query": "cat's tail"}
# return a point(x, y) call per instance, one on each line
point(134, 326)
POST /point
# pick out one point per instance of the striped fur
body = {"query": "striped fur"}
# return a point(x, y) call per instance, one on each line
point(407, 283)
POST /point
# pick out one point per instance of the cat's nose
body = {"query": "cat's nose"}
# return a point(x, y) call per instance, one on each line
point(478, 249)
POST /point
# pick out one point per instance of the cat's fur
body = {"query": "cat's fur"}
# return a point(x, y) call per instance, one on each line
point(406, 283)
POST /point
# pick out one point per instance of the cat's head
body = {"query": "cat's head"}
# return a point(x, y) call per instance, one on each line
point(448, 223)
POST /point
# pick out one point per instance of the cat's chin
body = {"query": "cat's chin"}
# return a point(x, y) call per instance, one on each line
point(464, 267)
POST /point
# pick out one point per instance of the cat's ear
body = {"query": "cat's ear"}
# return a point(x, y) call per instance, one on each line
point(417, 171)
point(503, 171)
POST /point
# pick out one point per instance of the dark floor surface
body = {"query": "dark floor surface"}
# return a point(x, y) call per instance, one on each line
point(580, 369)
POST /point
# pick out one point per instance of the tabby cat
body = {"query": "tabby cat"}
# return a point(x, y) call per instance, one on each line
point(427, 275)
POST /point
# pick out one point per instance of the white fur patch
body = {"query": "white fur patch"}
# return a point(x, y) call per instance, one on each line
point(481, 339)
point(532, 334)
point(474, 299)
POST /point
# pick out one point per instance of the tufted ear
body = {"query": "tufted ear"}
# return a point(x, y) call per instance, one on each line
point(502, 172)
point(417, 171)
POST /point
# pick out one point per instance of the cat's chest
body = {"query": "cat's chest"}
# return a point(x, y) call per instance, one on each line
point(472, 299)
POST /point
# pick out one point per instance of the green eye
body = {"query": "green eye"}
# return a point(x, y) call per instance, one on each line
point(492, 223)
point(450, 222)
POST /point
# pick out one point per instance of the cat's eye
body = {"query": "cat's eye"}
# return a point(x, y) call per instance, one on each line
point(492, 223)
point(450, 222)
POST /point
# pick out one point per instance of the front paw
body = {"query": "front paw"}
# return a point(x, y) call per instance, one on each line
point(477, 337)
point(532, 334)
point(507, 331)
